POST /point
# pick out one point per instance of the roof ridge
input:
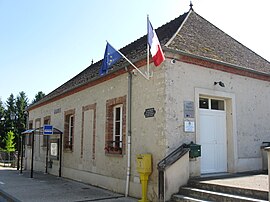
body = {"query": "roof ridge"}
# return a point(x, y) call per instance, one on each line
point(157, 30)
point(231, 37)
point(180, 27)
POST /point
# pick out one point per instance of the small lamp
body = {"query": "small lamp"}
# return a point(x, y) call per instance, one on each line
point(219, 83)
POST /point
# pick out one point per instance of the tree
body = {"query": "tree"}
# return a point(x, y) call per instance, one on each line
point(15, 118)
point(38, 97)
point(10, 113)
point(2, 124)
point(10, 145)
point(21, 104)
point(20, 120)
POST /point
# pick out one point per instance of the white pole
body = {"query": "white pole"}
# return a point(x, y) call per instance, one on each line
point(148, 70)
point(145, 76)
point(129, 132)
point(128, 165)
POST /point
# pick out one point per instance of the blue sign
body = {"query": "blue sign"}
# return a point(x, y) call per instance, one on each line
point(47, 129)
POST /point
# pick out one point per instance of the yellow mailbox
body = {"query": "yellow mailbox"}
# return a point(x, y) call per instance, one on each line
point(144, 167)
point(144, 163)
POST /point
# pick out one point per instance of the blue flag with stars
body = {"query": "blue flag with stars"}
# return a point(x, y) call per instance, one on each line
point(111, 56)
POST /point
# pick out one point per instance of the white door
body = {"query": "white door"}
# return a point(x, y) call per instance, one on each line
point(213, 136)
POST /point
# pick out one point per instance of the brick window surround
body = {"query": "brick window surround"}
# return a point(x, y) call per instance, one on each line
point(37, 135)
point(110, 147)
point(29, 136)
point(69, 130)
point(46, 121)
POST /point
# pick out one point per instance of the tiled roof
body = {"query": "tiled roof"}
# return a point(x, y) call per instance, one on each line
point(197, 36)
point(134, 51)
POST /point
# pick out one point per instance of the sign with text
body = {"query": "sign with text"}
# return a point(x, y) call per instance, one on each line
point(47, 130)
point(189, 109)
point(150, 112)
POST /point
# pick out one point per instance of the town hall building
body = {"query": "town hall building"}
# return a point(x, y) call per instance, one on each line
point(211, 91)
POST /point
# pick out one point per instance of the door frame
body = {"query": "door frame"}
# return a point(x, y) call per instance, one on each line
point(229, 99)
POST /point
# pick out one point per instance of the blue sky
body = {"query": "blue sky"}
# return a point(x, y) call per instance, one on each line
point(43, 44)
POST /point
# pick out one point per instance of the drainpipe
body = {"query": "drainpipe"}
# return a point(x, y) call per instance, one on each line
point(129, 131)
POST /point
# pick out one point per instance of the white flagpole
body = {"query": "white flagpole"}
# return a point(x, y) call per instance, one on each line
point(145, 76)
point(148, 70)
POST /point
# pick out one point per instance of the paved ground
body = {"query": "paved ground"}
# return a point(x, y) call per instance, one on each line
point(45, 187)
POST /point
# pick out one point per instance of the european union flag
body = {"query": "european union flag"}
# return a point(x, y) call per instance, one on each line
point(111, 56)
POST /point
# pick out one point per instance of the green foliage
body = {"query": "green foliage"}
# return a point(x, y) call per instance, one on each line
point(13, 118)
point(2, 125)
point(21, 104)
point(9, 140)
point(38, 97)
point(10, 113)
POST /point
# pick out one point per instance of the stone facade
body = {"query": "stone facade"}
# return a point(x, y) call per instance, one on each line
point(189, 72)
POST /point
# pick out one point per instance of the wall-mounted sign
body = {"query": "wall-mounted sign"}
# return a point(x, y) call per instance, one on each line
point(47, 129)
point(189, 126)
point(150, 112)
point(56, 111)
point(188, 109)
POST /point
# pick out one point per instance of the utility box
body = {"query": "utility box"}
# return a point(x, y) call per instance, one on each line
point(264, 155)
point(195, 150)
point(144, 163)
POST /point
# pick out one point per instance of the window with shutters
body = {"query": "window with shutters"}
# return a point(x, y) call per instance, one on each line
point(115, 126)
point(69, 130)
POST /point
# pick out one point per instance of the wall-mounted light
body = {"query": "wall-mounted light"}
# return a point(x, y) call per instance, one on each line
point(219, 83)
point(173, 61)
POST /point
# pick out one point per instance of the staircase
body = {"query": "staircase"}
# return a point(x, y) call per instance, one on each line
point(200, 190)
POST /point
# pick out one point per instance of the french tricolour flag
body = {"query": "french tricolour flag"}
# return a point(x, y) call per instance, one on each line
point(155, 48)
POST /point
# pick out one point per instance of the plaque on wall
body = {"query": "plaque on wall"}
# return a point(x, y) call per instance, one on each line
point(150, 112)
point(188, 109)
point(57, 111)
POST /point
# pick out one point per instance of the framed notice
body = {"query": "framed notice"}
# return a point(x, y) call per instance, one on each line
point(54, 149)
point(189, 126)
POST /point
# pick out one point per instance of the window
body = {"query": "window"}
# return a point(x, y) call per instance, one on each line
point(46, 137)
point(213, 104)
point(69, 130)
point(115, 126)
point(204, 103)
point(217, 104)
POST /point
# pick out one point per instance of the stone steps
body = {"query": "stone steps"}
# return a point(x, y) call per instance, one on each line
point(198, 191)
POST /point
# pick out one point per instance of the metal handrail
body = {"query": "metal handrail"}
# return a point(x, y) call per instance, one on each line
point(173, 157)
